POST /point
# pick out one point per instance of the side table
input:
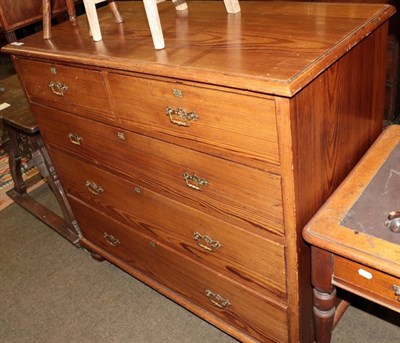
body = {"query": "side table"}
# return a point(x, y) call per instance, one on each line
point(21, 138)
point(353, 247)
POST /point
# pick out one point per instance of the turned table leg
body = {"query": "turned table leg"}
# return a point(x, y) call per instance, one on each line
point(15, 161)
point(324, 294)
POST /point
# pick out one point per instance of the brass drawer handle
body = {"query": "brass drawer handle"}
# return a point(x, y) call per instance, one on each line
point(209, 244)
point(93, 188)
point(393, 221)
point(110, 239)
point(180, 117)
point(193, 181)
point(397, 291)
point(216, 299)
point(75, 138)
point(58, 88)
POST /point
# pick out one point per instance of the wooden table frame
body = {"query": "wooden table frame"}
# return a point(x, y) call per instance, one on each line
point(341, 256)
point(17, 14)
point(21, 138)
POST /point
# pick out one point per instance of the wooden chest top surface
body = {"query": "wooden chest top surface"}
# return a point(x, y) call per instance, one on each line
point(270, 47)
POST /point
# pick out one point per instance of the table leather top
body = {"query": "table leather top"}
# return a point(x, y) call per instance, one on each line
point(381, 196)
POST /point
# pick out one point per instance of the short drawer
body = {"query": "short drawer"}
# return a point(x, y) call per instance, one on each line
point(231, 191)
point(250, 259)
point(245, 310)
point(66, 87)
point(367, 282)
point(241, 127)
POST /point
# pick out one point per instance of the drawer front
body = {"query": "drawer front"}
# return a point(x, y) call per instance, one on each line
point(66, 87)
point(241, 127)
point(248, 258)
point(243, 309)
point(370, 283)
point(222, 188)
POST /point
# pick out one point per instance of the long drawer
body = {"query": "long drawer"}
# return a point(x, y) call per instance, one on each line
point(247, 311)
point(220, 122)
point(66, 87)
point(368, 282)
point(251, 260)
point(241, 195)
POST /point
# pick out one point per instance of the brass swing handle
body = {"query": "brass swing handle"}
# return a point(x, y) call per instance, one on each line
point(209, 244)
point(75, 138)
point(111, 240)
point(93, 188)
point(58, 88)
point(193, 181)
point(180, 117)
point(216, 299)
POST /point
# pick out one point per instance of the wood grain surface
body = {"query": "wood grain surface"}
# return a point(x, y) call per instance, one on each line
point(220, 123)
point(188, 278)
point(175, 223)
point(79, 84)
point(292, 94)
point(279, 46)
point(243, 196)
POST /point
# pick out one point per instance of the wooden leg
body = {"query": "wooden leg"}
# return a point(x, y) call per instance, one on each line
point(324, 294)
point(180, 5)
point(71, 9)
point(46, 19)
point(91, 13)
point(112, 5)
point(19, 145)
point(232, 6)
point(324, 315)
point(97, 257)
point(14, 160)
point(153, 19)
point(55, 185)
point(10, 36)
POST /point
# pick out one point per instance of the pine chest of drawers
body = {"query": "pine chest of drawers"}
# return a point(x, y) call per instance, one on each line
point(195, 168)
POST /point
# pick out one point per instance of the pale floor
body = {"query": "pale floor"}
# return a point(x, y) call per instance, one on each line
point(52, 292)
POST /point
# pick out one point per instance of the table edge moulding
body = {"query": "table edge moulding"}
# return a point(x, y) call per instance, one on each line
point(332, 213)
point(194, 168)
